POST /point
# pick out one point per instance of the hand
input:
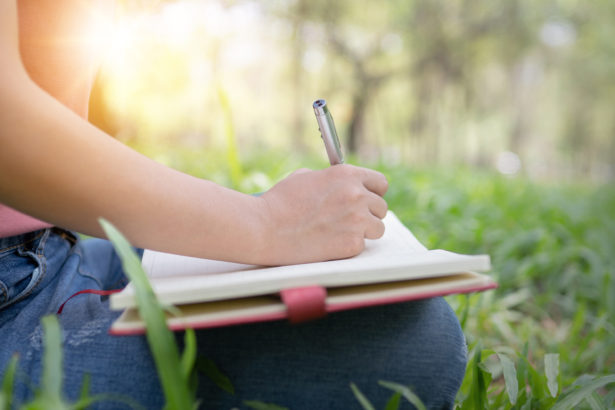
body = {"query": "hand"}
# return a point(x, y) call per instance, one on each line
point(322, 215)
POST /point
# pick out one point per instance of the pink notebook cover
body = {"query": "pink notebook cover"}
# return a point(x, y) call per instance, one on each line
point(395, 268)
point(309, 303)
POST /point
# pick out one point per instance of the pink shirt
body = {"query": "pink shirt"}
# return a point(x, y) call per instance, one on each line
point(56, 41)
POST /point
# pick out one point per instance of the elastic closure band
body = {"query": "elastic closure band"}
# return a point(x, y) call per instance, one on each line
point(303, 304)
point(92, 291)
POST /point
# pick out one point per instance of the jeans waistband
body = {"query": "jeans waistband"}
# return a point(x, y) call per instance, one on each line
point(14, 241)
point(21, 239)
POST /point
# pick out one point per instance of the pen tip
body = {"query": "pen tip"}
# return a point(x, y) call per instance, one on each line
point(319, 103)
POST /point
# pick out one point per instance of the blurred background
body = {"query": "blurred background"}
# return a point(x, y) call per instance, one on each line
point(493, 120)
point(519, 86)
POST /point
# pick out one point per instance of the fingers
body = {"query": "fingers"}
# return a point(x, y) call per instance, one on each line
point(376, 205)
point(374, 228)
point(377, 185)
point(374, 181)
point(374, 186)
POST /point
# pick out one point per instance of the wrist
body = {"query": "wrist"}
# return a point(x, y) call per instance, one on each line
point(263, 235)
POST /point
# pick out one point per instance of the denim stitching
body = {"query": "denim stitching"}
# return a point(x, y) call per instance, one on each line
point(23, 243)
point(84, 272)
point(42, 264)
point(5, 293)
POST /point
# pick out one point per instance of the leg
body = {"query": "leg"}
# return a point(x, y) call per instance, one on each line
point(304, 366)
point(118, 366)
point(419, 344)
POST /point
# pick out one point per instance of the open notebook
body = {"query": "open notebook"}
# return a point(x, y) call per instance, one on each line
point(394, 268)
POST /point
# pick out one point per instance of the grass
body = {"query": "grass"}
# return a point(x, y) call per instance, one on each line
point(549, 325)
point(543, 339)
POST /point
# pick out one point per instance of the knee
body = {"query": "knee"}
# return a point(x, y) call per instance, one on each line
point(418, 344)
point(442, 352)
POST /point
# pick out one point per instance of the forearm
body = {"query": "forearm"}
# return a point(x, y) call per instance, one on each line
point(57, 167)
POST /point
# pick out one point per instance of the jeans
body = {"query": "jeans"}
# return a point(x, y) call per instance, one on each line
point(304, 366)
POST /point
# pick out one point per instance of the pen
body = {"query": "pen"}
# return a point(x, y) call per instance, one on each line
point(328, 132)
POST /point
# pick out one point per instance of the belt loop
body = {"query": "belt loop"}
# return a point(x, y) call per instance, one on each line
point(64, 234)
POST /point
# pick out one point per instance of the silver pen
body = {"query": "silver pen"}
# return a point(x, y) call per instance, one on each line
point(328, 132)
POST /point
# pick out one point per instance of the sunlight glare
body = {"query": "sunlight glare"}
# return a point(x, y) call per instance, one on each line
point(166, 65)
point(178, 21)
point(123, 42)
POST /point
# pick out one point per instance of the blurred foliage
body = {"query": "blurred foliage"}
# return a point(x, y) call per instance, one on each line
point(552, 254)
point(551, 244)
point(459, 89)
point(421, 81)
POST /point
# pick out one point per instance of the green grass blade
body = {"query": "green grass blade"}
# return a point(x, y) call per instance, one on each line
point(85, 399)
point(85, 387)
point(522, 371)
point(189, 354)
point(259, 405)
point(552, 372)
point(609, 399)
point(595, 402)
point(406, 392)
point(569, 401)
point(8, 382)
point(126, 402)
point(51, 382)
point(159, 337)
point(209, 368)
point(232, 151)
point(477, 397)
point(365, 403)
point(510, 377)
point(394, 402)
point(529, 404)
point(536, 380)
point(465, 311)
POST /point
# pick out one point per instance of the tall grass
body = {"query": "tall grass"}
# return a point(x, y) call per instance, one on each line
point(550, 324)
point(543, 339)
point(175, 372)
point(551, 247)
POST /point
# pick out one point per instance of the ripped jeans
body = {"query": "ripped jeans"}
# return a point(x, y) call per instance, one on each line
point(306, 366)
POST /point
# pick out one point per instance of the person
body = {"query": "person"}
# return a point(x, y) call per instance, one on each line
point(60, 174)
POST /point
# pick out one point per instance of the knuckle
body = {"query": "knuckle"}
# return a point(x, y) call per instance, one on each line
point(354, 194)
point(375, 230)
point(345, 170)
point(353, 245)
point(356, 217)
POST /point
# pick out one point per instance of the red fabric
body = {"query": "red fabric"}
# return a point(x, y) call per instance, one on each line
point(93, 291)
point(305, 303)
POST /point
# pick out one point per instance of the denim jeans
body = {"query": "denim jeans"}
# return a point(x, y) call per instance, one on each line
point(305, 366)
